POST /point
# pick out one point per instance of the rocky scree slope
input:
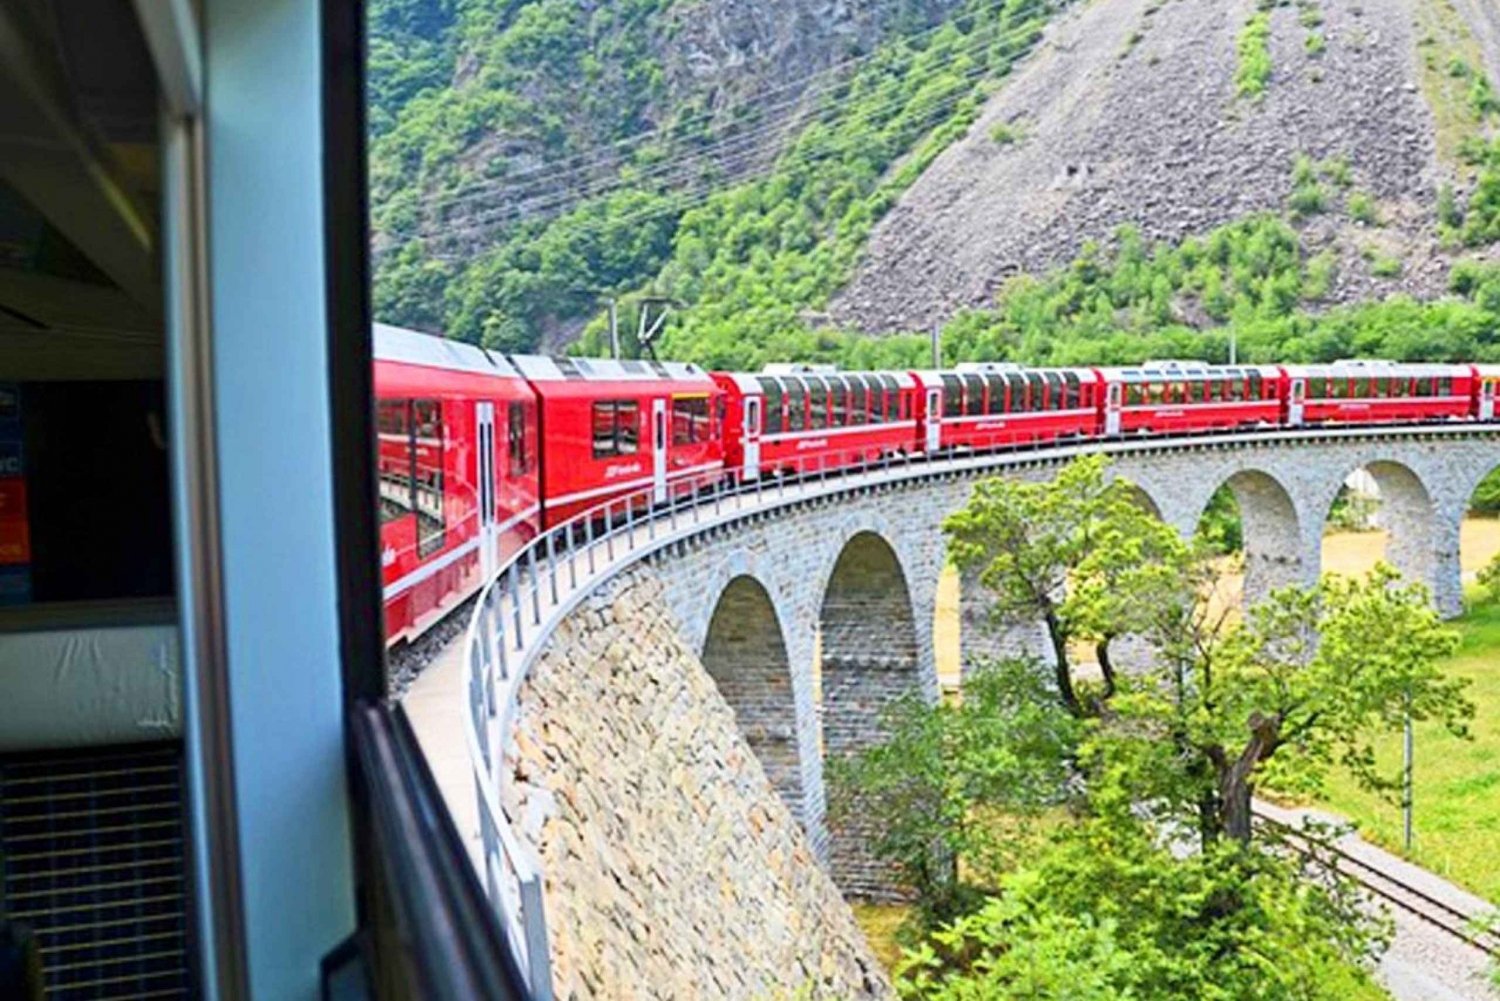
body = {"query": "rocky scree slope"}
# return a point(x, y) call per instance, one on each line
point(1131, 114)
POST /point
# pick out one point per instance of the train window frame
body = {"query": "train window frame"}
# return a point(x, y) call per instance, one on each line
point(427, 429)
point(772, 400)
point(796, 405)
point(995, 385)
point(953, 404)
point(690, 419)
point(817, 404)
point(892, 399)
point(973, 384)
point(407, 478)
point(623, 418)
point(1072, 391)
point(838, 401)
point(515, 437)
point(859, 400)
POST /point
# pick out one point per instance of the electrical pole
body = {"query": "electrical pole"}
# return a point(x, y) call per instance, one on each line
point(1408, 790)
point(614, 328)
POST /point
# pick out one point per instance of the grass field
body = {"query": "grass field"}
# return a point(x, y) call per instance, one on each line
point(1457, 782)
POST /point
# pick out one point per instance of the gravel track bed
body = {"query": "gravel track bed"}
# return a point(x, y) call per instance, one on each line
point(1423, 963)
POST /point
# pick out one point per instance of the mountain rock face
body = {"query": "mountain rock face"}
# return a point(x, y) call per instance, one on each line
point(1131, 113)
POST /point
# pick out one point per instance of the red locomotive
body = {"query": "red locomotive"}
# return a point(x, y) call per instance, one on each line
point(479, 452)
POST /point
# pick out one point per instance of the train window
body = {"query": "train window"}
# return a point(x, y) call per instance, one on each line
point(996, 386)
point(894, 407)
point(1034, 400)
point(1255, 385)
point(771, 390)
point(973, 395)
point(1053, 381)
point(817, 400)
point(858, 400)
point(616, 428)
point(689, 420)
point(796, 405)
point(393, 419)
point(1132, 394)
point(427, 430)
point(515, 438)
point(952, 397)
point(1445, 386)
point(1016, 399)
point(1072, 392)
point(838, 403)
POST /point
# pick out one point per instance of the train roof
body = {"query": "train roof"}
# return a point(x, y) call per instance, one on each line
point(1356, 367)
point(544, 368)
point(412, 347)
point(1152, 371)
point(1003, 368)
point(749, 382)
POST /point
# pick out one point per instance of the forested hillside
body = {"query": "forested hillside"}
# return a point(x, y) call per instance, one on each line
point(1047, 181)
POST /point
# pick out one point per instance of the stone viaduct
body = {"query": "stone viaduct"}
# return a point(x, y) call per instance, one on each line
point(627, 773)
point(858, 576)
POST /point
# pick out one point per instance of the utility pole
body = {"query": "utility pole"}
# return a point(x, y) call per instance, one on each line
point(1408, 786)
point(937, 346)
point(1233, 348)
point(614, 328)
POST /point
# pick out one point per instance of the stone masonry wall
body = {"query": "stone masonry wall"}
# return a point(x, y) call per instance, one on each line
point(673, 870)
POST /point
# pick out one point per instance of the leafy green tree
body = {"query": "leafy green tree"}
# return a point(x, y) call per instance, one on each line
point(1108, 911)
point(1079, 554)
point(936, 784)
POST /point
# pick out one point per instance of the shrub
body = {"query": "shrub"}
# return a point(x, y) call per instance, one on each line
point(1254, 49)
point(1362, 209)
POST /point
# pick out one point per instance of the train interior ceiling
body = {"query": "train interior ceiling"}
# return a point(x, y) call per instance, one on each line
point(92, 862)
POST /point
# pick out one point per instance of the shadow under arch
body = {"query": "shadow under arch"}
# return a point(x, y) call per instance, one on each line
point(745, 653)
point(869, 658)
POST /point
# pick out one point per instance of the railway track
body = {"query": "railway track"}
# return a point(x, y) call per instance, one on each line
point(1454, 921)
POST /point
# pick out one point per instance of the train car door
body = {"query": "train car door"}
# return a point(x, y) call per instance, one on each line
point(1112, 398)
point(659, 450)
point(484, 494)
point(1486, 399)
point(752, 437)
point(1295, 401)
point(934, 419)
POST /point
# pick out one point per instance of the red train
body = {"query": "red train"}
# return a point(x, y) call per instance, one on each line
point(479, 452)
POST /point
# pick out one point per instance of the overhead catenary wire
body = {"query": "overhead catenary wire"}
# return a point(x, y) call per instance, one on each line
point(611, 152)
point(680, 200)
point(713, 155)
point(537, 206)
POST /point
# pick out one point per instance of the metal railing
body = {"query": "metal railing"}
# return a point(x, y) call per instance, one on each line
point(537, 586)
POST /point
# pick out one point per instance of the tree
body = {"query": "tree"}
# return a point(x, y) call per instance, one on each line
point(934, 787)
point(1303, 685)
point(1106, 911)
point(1078, 553)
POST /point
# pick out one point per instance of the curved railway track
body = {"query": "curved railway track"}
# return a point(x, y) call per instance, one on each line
point(1454, 921)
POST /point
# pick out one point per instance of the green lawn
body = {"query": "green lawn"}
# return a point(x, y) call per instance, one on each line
point(1457, 782)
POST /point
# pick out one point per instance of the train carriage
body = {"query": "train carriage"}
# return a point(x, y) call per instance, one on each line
point(1376, 392)
point(1486, 388)
point(1176, 397)
point(620, 427)
point(1002, 405)
point(457, 460)
point(799, 418)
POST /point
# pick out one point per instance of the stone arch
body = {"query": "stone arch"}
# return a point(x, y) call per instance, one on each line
point(871, 656)
point(1416, 544)
point(745, 653)
point(1272, 534)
